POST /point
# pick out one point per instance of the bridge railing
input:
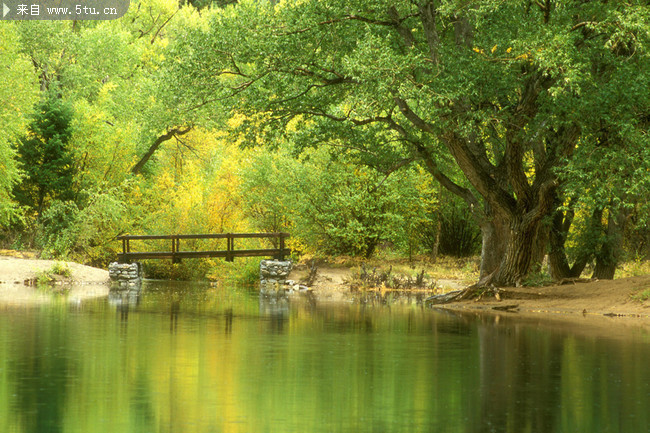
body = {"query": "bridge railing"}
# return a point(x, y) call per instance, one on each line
point(175, 253)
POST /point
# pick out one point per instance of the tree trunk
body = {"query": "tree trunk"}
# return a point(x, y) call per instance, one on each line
point(509, 249)
point(494, 238)
point(540, 247)
point(608, 256)
point(436, 242)
point(605, 263)
point(519, 253)
point(558, 264)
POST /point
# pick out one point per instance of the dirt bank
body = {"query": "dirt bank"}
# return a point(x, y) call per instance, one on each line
point(608, 298)
point(14, 270)
point(612, 298)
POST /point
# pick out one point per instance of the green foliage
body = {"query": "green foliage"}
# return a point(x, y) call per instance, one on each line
point(329, 204)
point(635, 267)
point(57, 223)
point(43, 278)
point(18, 92)
point(187, 270)
point(241, 272)
point(507, 93)
point(266, 190)
point(642, 296)
point(61, 269)
point(335, 207)
point(375, 99)
point(537, 279)
point(45, 157)
point(49, 276)
point(451, 228)
point(100, 106)
point(459, 233)
point(85, 234)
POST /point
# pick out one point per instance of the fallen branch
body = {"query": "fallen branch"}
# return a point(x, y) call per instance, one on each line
point(509, 307)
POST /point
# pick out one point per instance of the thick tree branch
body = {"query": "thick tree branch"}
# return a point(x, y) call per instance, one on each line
point(559, 145)
point(391, 170)
point(153, 39)
point(421, 152)
point(466, 160)
point(478, 149)
point(523, 112)
point(404, 31)
point(487, 186)
point(137, 168)
point(450, 185)
point(428, 18)
point(351, 17)
point(544, 202)
point(324, 83)
point(412, 117)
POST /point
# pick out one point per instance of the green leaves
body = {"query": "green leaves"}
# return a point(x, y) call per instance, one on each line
point(45, 157)
point(332, 206)
point(18, 92)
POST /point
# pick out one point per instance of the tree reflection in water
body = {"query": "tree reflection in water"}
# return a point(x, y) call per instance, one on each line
point(197, 358)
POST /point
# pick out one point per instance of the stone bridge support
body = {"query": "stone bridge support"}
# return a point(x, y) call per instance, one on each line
point(273, 276)
point(125, 274)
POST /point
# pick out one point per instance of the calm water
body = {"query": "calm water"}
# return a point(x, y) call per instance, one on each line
point(197, 359)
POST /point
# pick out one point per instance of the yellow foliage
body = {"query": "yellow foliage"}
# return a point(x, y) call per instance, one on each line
point(237, 120)
point(294, 123)
point(296, 244)
point(197, 185)
point(104, 91)
point(164, 182)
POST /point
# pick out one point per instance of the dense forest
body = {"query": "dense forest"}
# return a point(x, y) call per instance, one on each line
point(515, 130)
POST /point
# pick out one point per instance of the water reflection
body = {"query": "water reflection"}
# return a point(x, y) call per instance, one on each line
point(199, 359)
point(124, 299)
point(41, 371)
point(276, 310)
point(520, 378)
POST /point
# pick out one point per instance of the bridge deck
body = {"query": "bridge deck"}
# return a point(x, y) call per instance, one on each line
point(176, 254)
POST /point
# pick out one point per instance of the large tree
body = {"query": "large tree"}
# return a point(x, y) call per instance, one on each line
point(501, 91)
point(18, 92)
point(45, 157)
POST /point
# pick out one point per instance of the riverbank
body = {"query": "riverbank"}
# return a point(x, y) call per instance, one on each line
point(19, 274)
point(614, 298)
point(625, 297)
point(19, 270)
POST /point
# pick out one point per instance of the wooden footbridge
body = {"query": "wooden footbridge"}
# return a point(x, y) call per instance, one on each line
point(176, 254)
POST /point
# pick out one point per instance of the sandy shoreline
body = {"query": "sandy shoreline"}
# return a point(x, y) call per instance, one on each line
point(612, 298)
point(615, 301)
point(596, 304)
point(85, 281)
point(17, 270)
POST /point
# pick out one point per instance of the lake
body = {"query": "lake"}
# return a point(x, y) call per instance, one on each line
point(193, 358)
